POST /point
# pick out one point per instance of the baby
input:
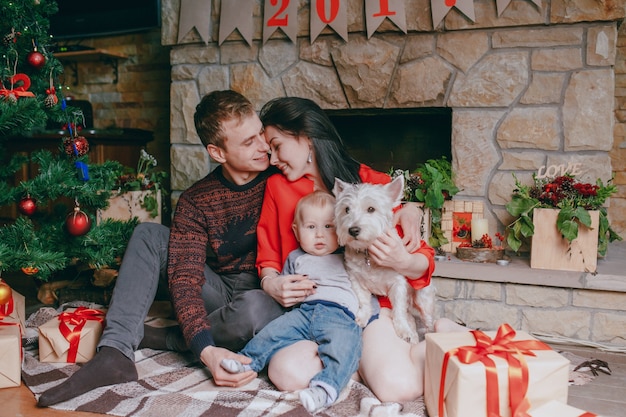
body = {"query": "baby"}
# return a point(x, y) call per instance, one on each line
point(325, 317)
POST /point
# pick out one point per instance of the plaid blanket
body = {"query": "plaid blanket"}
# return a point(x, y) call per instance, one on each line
point(173, 384)
point(177, 385)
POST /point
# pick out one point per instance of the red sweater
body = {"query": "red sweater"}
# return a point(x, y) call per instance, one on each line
point(275, 235)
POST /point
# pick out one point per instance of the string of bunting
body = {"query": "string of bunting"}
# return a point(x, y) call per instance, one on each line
point(283, 15)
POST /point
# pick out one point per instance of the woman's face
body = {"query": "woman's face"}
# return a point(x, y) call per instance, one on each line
point(289, 153)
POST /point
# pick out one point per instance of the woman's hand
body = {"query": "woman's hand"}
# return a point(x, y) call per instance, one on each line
point(409, 217)
point(212, 356)
point(289, 290)
point(390, 251)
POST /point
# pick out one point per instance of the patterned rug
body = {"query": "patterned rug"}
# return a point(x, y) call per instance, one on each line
point(171, 384)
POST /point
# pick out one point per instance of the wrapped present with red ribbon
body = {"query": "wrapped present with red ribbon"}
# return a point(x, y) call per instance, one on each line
point(559, 409)
point(13, 311)
point(491, 374)
point(11, 354)
point(72, 336)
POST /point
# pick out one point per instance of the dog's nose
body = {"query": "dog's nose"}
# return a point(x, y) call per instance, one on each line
point(354, 231)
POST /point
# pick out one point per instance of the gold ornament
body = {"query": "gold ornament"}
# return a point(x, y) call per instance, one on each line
point(5, 293)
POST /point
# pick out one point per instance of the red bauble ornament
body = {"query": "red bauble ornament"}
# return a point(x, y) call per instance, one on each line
point(36, 59)
point(77, 222)
point(27, 206)
point(30, 270)
point(77, 146)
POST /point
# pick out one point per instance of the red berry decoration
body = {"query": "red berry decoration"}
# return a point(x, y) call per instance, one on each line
point(77, 222)
point(36, 59)
point(27, 206)
point(76, 146)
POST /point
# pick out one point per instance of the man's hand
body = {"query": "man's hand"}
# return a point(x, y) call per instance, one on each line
point(211, 356)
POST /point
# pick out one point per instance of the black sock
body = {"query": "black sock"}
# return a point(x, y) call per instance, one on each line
point(108, 367)
point(163, 338)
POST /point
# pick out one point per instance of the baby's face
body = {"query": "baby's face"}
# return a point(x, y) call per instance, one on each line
point(316, 232)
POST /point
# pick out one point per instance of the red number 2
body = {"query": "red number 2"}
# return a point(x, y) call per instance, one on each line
point(275, 20)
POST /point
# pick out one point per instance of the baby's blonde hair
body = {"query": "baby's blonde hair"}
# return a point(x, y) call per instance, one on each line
point(319, 199)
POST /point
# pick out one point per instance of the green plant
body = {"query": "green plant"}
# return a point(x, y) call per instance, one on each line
point(143, 178)
point(430, 183)
point(573, 199)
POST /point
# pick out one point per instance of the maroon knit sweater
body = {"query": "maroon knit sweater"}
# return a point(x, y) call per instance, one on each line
point(215, 224)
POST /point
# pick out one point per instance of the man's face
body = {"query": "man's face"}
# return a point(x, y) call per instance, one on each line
point(245, 151)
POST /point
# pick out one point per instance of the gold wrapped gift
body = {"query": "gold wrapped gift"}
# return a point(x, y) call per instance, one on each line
point(10, 355)
point(491, 373)
point(72, 336)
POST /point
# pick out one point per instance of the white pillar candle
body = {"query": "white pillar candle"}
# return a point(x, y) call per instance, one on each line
point(480, 227)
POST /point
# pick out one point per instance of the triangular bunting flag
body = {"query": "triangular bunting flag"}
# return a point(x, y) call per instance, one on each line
point(236, 14)
point(503, 4)
point(276, 16)
point(195, 13)
point(440, 9)
point(335, 16)
point(376, 11)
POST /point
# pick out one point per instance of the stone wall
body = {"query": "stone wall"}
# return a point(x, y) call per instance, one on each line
point(533, 87)
point(576, 314)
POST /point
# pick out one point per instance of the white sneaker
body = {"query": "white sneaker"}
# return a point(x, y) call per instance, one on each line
point(313, 399)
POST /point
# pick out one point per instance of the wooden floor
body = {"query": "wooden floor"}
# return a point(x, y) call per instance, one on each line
point(604, 396)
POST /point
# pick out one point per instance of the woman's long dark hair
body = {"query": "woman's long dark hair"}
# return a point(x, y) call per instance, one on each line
point(303, 117)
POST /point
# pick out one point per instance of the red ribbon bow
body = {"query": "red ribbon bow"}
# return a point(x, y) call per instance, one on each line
point(504, 347)
point(20, 91)
point(6, 309)
point(588, 414)
point(76, 318)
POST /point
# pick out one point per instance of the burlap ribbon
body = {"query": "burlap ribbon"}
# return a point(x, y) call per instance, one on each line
point(505, 347)
point(76, 318)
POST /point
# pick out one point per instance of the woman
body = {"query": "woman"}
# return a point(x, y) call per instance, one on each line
point(306, 147)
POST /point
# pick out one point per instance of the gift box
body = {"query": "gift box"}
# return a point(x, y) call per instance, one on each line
point(559, 409)
point(14, 311)
point(491, 373)
point(10, 355)
point(72, 336)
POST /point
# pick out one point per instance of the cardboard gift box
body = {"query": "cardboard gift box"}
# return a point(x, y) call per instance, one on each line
point(10, 355)
point(558, 409)
point(14, 311)
point(72, 336)
point(491, 373)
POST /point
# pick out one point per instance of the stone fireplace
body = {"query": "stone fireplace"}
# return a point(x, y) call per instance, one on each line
point(531, 88)
point(534, 87)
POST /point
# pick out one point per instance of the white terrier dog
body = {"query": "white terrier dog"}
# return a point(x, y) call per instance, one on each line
point(363, 212)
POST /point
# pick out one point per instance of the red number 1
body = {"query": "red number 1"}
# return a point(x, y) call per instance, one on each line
point(384, 9)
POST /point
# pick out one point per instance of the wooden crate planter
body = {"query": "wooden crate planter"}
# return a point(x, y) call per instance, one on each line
point(128, 205)
point(551, 251)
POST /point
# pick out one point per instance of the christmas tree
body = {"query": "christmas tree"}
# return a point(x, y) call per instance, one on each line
point(56, 226)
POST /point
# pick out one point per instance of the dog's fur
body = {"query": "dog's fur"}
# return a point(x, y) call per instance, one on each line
point(363, 212)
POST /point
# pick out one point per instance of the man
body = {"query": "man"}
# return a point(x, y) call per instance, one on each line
point(210, 260)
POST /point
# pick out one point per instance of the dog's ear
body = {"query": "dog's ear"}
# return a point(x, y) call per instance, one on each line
point(339, 187)
point(396, 188)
